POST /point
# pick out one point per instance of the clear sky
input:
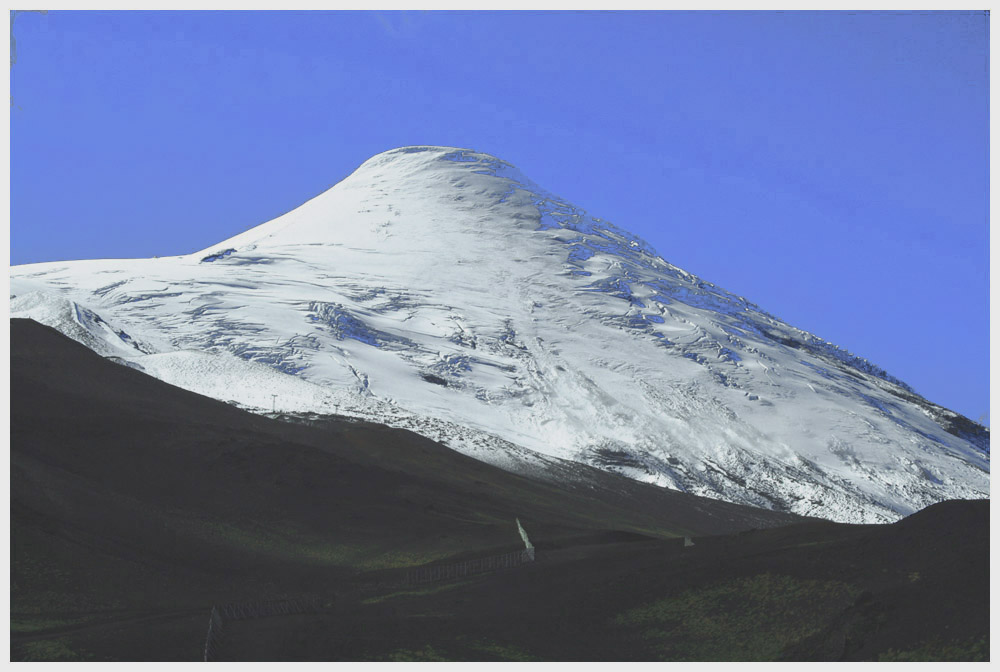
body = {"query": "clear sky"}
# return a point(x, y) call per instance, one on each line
point(832, 167)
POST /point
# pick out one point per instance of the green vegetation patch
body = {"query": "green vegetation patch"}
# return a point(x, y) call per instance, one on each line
point(49, 650)
point(480, 650)
point(286, 542)
point(971, 650)
point(427, 653)
point(745, 619)
point(430, 589)
point(256, 538)
point(31, 623)
point(502, 652)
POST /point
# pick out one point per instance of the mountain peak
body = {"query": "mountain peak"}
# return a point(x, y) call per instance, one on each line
point(412, 194)
point(438, 289)
point(422, 162)
point(418, 152)
point(427, 155)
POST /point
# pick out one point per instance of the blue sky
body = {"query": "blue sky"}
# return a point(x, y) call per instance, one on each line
point(830, 166)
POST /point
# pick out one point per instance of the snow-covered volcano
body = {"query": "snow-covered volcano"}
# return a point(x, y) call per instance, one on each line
point(439, 289)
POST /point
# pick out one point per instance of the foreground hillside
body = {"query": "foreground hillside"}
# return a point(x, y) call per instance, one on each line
point(136, 507)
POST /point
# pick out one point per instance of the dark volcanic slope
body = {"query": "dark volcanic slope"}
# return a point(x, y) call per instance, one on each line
point(915, 590)
point(136, 506)
point(128, 493)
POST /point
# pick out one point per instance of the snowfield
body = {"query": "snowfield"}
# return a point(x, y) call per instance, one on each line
point(440, 290)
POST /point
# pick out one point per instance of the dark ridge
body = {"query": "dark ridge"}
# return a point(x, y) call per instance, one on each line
point(955, 424)
point(218, 255)
point(437, 380)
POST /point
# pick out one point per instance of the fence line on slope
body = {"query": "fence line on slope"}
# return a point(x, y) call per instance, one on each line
point(247, 610)
point(457, 570)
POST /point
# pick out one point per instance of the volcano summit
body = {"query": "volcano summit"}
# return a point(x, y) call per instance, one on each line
point(439, 290)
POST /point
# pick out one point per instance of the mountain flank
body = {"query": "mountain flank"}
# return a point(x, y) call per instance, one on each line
point(439, 290)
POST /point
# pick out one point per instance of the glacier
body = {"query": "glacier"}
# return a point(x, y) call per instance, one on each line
point(440, 290)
